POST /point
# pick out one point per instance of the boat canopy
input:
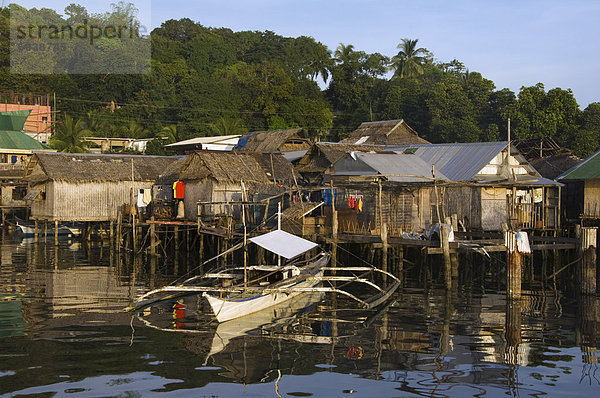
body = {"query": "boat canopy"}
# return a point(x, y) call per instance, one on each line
point(283, 243)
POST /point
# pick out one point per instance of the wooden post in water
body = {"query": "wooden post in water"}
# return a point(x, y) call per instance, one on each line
point(587, 314)
point(201, 252)
point(514, 265)
point(111, 235)
point(119, 232)
point(56, 232)
point(445, 242)
point(176, 257)
point(512, 331)
point(454, 254)
point(587, 267)
point(334, 228)
point(36, 232)
point(384, 249)
point(153, 243)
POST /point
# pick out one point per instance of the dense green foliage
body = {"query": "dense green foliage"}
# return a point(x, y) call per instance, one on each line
point(213, 81)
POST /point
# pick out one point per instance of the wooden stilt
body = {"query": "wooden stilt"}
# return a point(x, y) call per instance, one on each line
point(384, 249)
point(444, 238)
point(176, 256)
point(514, 266)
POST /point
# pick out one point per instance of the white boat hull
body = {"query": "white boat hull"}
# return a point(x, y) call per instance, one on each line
point(29, 231)
point(226, 309)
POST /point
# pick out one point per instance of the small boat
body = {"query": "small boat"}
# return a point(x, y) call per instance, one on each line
point(63, 230)
point(234, 292)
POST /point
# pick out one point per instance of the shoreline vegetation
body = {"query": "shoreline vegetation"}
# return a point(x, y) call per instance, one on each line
point(205, 81)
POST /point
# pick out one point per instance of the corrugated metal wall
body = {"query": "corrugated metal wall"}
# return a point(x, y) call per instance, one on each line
point(90, 201)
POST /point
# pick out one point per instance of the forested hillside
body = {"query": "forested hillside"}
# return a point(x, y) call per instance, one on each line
point(214, 81)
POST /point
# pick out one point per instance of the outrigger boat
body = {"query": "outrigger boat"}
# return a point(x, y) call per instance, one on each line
point(233, 292)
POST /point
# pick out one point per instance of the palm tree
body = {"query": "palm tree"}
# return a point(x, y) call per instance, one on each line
point(169, 134)
point(134, 130)
point(409, 60)
point(69, 136)
point(344, 53)
point(226, 126)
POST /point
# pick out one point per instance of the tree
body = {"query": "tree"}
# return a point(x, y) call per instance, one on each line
point(587, 139)
point(133, 130)
point(226, 126)
point(409, 60)
point(69, 136)
point(77, 14)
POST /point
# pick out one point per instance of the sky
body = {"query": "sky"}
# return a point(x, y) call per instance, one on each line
point(514, 43)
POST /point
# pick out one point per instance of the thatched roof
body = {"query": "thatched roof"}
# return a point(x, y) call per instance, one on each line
point(323, 154)
point(232, 167)
point(388, 132)
point(171, 174)
point(534, 148)
point(272, 141)
point(553, 166)
point(76, 167)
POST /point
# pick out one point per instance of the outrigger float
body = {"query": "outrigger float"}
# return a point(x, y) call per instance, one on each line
point(233, 292)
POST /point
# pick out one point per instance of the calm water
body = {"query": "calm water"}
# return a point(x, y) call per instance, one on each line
point(63, 333)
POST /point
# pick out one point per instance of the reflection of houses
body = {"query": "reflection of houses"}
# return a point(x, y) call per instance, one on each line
point(387, 132)
point(214, 179)
point(88, 187)
point(83, 288)
point(479, 182)
point(582, 191)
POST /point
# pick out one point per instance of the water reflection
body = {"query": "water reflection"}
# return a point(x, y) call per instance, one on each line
point(63, 331)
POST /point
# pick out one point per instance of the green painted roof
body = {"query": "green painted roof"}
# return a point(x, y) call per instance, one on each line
point(18, 140)
point(586, 170)
point(13, 120)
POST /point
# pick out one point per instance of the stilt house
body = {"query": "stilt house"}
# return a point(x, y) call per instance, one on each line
point(582, 191)
point(88, 187)
point(485, 185)
point(217, 183)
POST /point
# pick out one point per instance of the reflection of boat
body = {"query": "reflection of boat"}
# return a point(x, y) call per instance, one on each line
point(63, 230)
point(186, 315)
point(267, 318)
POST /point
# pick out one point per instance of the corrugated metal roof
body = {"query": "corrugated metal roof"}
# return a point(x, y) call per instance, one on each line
point(398, 167)
point(21, 141)
point(223, 139)
point(13, 120)
point(586, 170)
point(457, 162)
